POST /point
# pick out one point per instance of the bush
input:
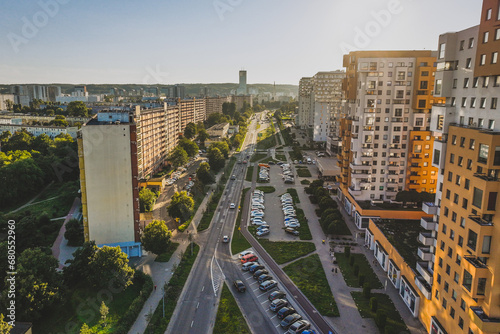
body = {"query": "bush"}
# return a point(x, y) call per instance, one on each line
point(367, 290)
point(135, 307)
point(373, 304)
point(313, 199)
point(347, 251)
point(356, 270)
point(389, 330)
point(352, 259)
point(381, 318)
point(362, 279)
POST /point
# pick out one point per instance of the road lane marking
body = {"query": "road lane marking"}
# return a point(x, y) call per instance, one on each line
point(192, 322)
point(274, 316)
point(198, 305)
point(203, 288)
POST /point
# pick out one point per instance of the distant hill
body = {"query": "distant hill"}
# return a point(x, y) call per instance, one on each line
point(191, 89)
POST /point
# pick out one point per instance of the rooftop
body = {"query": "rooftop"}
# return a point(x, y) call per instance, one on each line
point(367, 205)
point(403, 236)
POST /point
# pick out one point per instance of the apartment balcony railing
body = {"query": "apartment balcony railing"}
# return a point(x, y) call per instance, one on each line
point(428, 223)
point(424, 287)
point(426, 238)
point(430, 208)
point(424, 253)
point(423, 269)
point(483, 322)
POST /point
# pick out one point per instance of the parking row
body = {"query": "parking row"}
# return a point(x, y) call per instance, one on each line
point(273, 300)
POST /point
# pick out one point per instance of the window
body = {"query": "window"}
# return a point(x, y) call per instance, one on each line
point(472, 144)
point(455, 198)
point(475, 82)
point(465, 203)
point(462, 224)
point(440, 262)
point(469, 164)
point(468, 63)
point(472, 102)
point(482, 60)
point(458, 260)
point(467, 280)
point(483, 103)
point(494, 57)
point(462, 45)
point(450, 176)
point(460, 241)
point(472, 240)
point(486, 244)
point(460, 161)
point(477, 197)
point(448, 193)
point(488, 14)
point(456, 277)
point(452, 158)
point(464, 102)
point(445, 303)
point(448, 269)
point(458, 179)
point(454, 140)
point(494, 102)
point(463, 306)
point(461, 322)
point(486, 35)
point(437, 88)
point(467, 184)
point(466, 83)
point(483, 153)
point(481, 286)
point(491, 124)
point(450, 252)
point(452, 312)
point(497, 32)
point(442, 49)
point(454, 295)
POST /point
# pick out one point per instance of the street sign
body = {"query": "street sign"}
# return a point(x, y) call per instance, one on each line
point(239, 228)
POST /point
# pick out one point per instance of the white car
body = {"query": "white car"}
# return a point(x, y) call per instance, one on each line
point(232, 206)
point(292, 225)
point(244, 253)
point(259, 222)
point(262, 232)
point(258, 214)
point(225, 239)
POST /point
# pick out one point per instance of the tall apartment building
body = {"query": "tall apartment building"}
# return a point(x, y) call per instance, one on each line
point(239, 100)
point(465, 293)
point(320, 103)
point(191, 111)
point(388, 100)
point(214, 104)
point(242, 88)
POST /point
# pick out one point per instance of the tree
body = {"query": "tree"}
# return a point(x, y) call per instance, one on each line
point(9, 104)
point(181, 205)
point(4, 137)
point(109, 267)
point(147, 199)
point(20, 140)
point(156, 237)
point(189, 146)
point(215, 158)
point(404, 196)
point(103, 310)
point(77, 109)
point(203, 173)
point(19, 180)
point(222, 146)
point(178, 157)
point(190, 130)
point(202, 136)
point(236, 140)
point(77, 269)
point(85, 329)
point(42, 143)
point(74, 233)
point(331, 228)
point(229, 108)
point(60, 120)
point(5, 328)
point(326, 202)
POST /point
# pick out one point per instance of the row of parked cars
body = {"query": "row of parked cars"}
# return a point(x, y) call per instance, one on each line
point(263, 173)
point(257, 213)
point(290, 319)
point(290, 216)
point(287, 173)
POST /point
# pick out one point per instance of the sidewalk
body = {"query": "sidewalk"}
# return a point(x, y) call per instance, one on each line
point(413, 324)
point(60, 249)
point(350, 321)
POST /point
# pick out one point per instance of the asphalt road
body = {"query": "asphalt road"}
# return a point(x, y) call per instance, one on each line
point(197, 306)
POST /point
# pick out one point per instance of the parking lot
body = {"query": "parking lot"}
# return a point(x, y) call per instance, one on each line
point(252, 286)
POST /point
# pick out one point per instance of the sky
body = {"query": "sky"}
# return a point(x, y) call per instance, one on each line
point(209, 41)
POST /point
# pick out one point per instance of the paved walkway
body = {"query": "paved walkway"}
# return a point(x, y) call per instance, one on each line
point(60, 248)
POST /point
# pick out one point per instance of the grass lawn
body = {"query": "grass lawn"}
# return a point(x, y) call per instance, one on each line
point(229, 318)
point(266, 189)
point(303, 172)
point(310, 278)
point(77, 308)
point(295, 196)
point(158, 324)
point(165, 257)
point(364, 268)
point(249, 175)
point(280, 157)
point(384, 303)
point(257, 156)
point(266, 143)
point(239, 243)
point(304, 231)
point(286, 251)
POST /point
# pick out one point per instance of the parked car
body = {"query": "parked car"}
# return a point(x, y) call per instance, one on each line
point(289, 320)
point(259, 272)
point(276, 294)
point(268, 285)
point(264, 277)
point(263, 227)
point(239, 285)
point(299, 326)
point(259, 222)
point(249, 258)
point(262, 232)
point(255, 267)
point(289, 181)
point(277, 304)
point(285, 311)
point(247, 265)
point(292, 225)
point(292, 231)
point(244, 253)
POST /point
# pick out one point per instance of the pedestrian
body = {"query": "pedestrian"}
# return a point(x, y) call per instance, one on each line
point(323, 241)
point(335, 270)
point(155, 287)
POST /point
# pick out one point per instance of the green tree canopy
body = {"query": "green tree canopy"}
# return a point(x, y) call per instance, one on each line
point(20, 140)
point(178, 157)
point(204, 174)
point(189, 146)
point(181, 205)
point(215, 158)
point(74, 232)
point(42, 143)
point(77, 109)
point(110, 266)
point(147, 199)
point(222, 146)
point(202, 136)
point(156, 237)
point(229, 109)
point(190, 130)
point(5, 328)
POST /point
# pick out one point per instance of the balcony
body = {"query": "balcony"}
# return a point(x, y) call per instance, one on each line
point(416, 159)
point(360, 173)
point(354, 192)
point(424, 253)
point(430, 208)
point(365, 158)
point(428, 223)
point(426, 238)
point(359, 167)
point(483, 322)
point(395, 148)
point(481, 221)
point(424, 287)
point(414, 186)
point(486, 177)
point(394, 167)
point(394, 158)
point(392, 183)
point(423, 269)
point(391, 192)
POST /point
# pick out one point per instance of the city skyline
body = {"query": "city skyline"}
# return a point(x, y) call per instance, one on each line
point(71, 42)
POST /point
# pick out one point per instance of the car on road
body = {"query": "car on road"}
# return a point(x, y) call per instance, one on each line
point(239, 285)
point(290, 230)
point(244, 161)
point(262, 232)
point(276, 295)
point(233, 177)
point(299, 326)
point(285, 311)
point(264, 277)
point(278, 304)
point(255, 267)
point(244, 253)
point(289, 320)
point(232, 206)
point(268, 285)
point(259, 272)
point(225, 239)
